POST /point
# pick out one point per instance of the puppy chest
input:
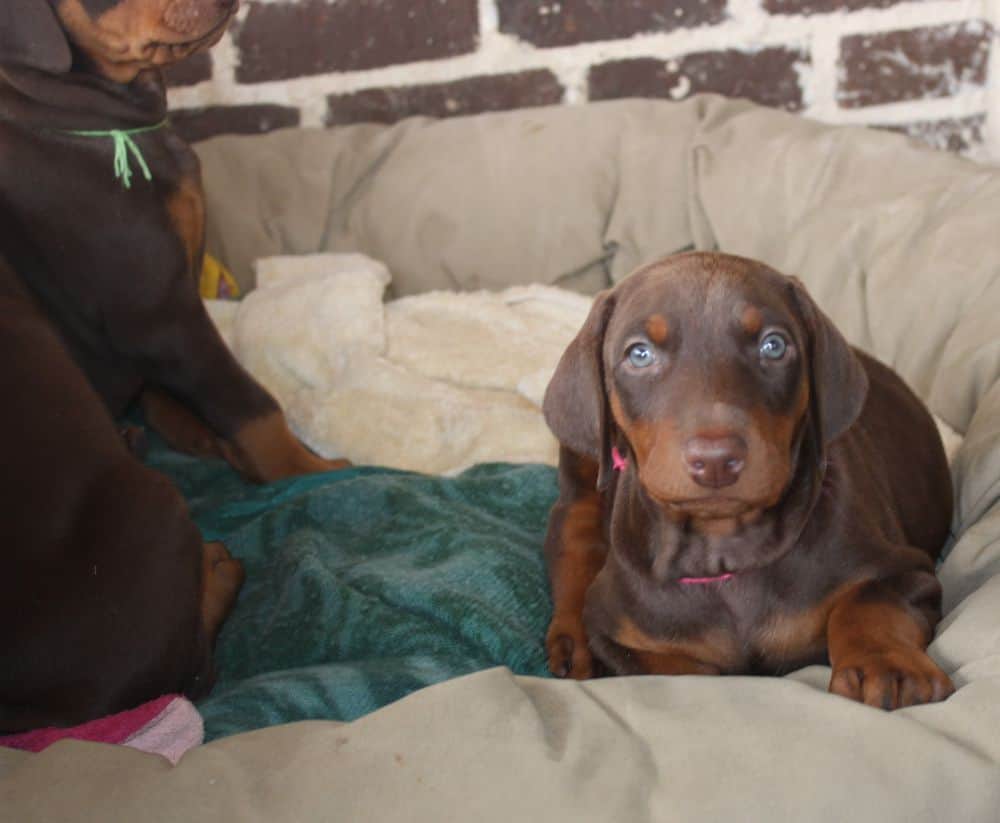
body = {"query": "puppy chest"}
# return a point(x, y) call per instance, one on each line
point(732, 627)
point(786, 640)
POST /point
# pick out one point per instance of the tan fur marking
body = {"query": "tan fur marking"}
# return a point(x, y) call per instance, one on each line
point(715, 646)
point(640, 434)
point(658, 329)
point(877, 625)
point(616, 409)
point(577, 560)
point(783, 636)
point(673, 663)
point(752, 320)
point(221, 579)
point(775, 433)
point(186, 207)
point(265, 450)
point(581, 553)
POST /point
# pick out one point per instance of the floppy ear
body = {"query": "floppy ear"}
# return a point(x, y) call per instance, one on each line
point(31, 36)
point(838, 383)
point(576, 401)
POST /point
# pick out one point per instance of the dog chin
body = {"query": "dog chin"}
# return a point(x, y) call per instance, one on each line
point(680, 504)
point(711, 507)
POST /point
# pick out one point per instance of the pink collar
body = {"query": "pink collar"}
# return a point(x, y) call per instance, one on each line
point(619, 464)
point(697, 581)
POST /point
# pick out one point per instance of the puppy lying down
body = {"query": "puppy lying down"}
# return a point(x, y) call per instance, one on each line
point(741, 491)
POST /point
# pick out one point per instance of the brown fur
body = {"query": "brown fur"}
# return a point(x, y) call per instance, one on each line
point(109, 596)
point(186, 209)
point(814, 478)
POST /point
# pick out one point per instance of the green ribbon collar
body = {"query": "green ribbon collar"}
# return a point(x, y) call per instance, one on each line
point(124, 145)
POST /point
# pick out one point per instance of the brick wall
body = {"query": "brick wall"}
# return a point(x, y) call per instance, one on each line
point(919, 67)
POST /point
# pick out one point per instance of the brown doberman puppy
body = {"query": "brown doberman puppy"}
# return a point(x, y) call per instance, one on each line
point(741, 491)
point(108, 596)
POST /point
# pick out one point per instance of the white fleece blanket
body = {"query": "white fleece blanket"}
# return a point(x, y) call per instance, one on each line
point(434, 382)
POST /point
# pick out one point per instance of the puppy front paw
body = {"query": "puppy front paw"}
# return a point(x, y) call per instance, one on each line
point(568, 651)
point(891, 679)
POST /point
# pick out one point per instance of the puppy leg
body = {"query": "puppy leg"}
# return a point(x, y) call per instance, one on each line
point(203, 401)
point(262, 451)
point(177, 425)
point(265, 449)
point(222, 579)
point(878, 633)
point(575, 551)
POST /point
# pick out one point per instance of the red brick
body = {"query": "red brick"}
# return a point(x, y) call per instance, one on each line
point(278, 41)
point(954, 134)
point(549, 23)
point(188, 72)
point(767, 76)
point(808, 7)
point(202, 123)
point(912, 64)
point(468, 96)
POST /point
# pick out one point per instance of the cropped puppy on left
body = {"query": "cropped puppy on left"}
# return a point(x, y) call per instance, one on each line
point(108, 596)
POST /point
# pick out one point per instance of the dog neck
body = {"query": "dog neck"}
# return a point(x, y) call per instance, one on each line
point(78, 100)
point(672, 548)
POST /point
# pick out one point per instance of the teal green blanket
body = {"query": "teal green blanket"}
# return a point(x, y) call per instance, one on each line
point(367, 584)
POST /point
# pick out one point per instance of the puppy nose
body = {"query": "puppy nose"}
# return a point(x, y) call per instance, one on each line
point(715, 462)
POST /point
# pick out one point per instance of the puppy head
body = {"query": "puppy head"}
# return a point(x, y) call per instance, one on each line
point(113, 38)
point(712, 371)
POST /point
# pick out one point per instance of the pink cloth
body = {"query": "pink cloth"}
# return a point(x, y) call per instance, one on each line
point(169, 726)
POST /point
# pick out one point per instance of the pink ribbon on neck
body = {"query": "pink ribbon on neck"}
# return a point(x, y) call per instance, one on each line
point(618, 463)
point(696, 581)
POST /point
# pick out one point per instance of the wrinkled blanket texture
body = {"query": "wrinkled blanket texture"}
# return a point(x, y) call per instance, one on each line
point(367, 584)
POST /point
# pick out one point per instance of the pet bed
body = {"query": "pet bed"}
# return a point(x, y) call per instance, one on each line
point(898, 245)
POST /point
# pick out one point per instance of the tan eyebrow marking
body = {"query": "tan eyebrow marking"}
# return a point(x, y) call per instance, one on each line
point(752, 320)
point(657, 328)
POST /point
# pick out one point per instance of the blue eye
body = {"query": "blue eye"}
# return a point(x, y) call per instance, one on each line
point(640, 355)
point(773, 346)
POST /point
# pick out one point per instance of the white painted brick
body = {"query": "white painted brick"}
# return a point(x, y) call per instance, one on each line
point(748, 28)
